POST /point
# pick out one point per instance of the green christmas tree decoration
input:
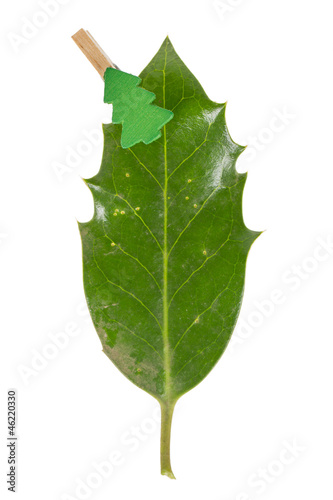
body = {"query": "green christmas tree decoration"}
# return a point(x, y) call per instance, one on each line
point(132, 107)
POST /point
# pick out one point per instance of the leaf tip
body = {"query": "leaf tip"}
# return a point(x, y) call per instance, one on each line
point(167, 43)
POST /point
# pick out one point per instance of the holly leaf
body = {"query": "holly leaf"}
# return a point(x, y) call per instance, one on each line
point(165, 252)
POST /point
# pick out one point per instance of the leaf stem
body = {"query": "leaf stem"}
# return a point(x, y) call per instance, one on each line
point(166, 419)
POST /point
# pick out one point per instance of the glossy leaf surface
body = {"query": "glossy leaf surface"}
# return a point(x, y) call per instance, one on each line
point(164, 255)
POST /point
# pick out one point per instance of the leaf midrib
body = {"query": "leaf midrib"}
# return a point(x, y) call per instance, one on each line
point(166, 350)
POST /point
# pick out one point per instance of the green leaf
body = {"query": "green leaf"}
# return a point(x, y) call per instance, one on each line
point(165, 252)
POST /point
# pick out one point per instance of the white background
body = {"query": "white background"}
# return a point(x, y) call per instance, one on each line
point(273, 387)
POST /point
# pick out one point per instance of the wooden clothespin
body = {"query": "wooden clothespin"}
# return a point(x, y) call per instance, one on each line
point(93, 52)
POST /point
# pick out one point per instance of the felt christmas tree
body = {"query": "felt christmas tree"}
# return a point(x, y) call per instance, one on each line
point(132, 107)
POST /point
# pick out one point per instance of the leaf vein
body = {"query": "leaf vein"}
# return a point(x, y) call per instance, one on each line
point(202, 265)
point(193, 152)
point(134, 258)
point(123, 289)
point(194, 217)
point(147, 169)
point(207, 309)
point(143, 222)
point(138, 336)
